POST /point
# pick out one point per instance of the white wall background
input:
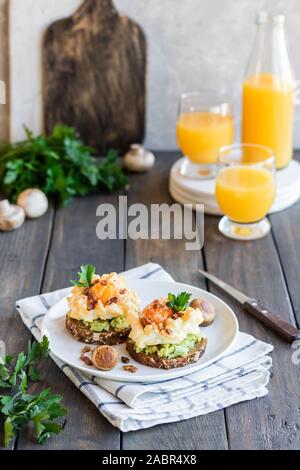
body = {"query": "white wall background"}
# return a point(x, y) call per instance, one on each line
point(193, 44)
point(28, 20)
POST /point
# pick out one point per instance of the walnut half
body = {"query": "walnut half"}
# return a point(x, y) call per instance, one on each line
point(130, 368)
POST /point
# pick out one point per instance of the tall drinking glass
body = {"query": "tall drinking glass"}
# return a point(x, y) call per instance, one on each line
point(204, 125)
point(245, 190)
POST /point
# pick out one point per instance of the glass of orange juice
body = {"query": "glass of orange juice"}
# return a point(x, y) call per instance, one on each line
point(245, 190)
point(204, 125)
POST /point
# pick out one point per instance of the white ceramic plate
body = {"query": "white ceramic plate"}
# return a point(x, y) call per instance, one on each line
point(284, 202)
point(221, 334)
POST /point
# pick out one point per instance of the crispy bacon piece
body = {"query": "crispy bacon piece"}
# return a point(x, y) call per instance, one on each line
point(91, 302)
point(177, 315)
point(113, 300)
point(169, 332)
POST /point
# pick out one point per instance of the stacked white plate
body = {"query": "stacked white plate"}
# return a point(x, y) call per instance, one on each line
point(191, 191)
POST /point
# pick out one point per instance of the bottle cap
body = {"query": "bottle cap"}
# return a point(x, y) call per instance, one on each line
point(262, 17)
point(278, 18)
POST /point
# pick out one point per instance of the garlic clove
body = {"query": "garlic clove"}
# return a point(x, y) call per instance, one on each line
point(13, 219)
point(34, 202)
point(138, 159)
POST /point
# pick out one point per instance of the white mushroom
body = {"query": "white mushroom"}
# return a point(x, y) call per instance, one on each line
point(34, 202)
point(5, 208)
point(138, 159)
point(11, 216)
point(207, 309)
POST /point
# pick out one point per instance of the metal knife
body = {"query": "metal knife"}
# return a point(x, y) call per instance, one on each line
point(253, 306)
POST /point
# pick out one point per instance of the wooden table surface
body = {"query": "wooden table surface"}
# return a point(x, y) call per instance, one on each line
point(45, 254)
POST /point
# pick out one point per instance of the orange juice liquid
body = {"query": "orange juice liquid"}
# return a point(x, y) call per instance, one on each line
point(268, 115)
point(201, 134)
point(245, 194)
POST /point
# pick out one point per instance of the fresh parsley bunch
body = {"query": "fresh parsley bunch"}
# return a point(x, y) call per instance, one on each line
point(59, 164)
point(17, 406)
point(180, 302)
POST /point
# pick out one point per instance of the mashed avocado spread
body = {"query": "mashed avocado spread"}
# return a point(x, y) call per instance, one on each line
point(118, 324)
point(172, 350)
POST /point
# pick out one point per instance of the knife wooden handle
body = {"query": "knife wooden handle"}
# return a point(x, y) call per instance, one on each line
point(282, 327)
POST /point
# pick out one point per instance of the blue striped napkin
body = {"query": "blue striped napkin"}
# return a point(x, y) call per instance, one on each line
point(242, 374)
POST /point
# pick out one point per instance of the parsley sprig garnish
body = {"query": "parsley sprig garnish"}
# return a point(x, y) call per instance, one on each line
point(85, 276)
point(180, 302)
point(60, 164)
point(17, 406)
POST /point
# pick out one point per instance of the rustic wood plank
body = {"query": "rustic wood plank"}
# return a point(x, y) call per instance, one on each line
point(22, 260)
point(287, 238)
point(75, 243)
point(272, 422)
point(96, 60)
point(204, 432)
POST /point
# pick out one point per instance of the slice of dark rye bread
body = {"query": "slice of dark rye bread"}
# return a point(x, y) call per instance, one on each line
point(153, 360)
point(83, 333)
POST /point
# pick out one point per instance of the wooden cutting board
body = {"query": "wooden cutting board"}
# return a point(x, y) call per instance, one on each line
point(94, 66)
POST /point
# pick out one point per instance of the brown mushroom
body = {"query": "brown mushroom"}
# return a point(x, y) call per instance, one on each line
point(105, 357)
point(207, 309)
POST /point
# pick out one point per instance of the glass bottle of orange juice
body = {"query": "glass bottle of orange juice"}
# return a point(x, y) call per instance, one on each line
point(268, 91)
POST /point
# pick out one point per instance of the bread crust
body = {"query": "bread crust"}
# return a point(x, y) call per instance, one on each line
point(153, 360)
point(83, 333)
